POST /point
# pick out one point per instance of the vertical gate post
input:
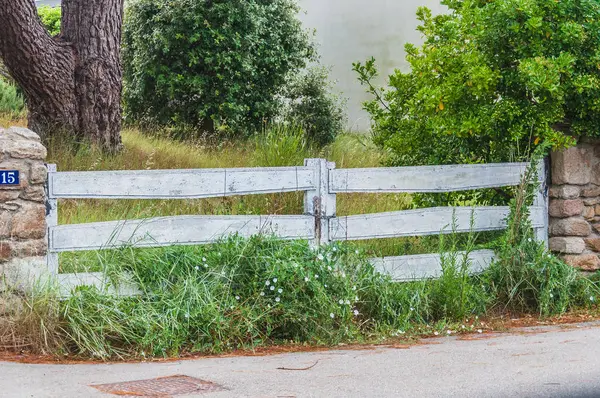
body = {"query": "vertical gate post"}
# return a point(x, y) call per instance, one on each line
point(320, 202)
point(51, 221)
point(541, 200)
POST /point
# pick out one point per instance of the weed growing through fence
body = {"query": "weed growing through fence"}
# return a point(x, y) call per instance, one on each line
point(526, 277)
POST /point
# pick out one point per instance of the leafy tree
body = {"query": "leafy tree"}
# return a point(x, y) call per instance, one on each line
point(493, 79)
point(211, 65)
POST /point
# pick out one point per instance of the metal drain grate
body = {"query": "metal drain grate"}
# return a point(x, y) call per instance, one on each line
point(160, 387)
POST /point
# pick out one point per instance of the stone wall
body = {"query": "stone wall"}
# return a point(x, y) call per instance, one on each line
point(575, 205)
point(22, 208)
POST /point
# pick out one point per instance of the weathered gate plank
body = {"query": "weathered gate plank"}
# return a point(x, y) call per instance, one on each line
point(178, 184)
point(425, 266)
point(427, 178)
point(430, 221)
point(181, 230)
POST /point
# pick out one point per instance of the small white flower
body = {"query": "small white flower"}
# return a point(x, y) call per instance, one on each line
point(320, 257)
point(187, 315)
point(268, 282)
point(436, 333)
point(237, 298)
point(231, 307)
point(449, 332)
point(356, 251)
point(279, 291)
point(272, 288)
point(356, 312)
point(412, 309)
point(334, 249)
point(529, 240)
point(274, 280)
point(277, 299)
point(591, 298)
point(479, 331)
point(462, 326)
point(196, 268)
point(341, 302)
point(355, 298)
point(353, 287)
point(204, 259)
point(551, 295)
point(343, 274)
point(325, 285)
point(262, 293)
point(347, 302)
point(317, 276)
point(328, 268)
point(205, 265)
point(306, 279)
point(332, 315)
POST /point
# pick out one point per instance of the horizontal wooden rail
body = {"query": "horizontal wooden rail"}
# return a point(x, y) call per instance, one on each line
point(426, 178)
point(425, 266)
point(180, 230)
point(178, 184)
point(430, 221)
point(68, 282)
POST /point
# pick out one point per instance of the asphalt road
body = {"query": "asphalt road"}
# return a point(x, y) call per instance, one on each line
point(542, 362)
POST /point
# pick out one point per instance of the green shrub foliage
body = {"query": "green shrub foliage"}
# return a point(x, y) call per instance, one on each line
point(50, 17)
point(493, 79)
point(12, 103)
point(216, 65)
point(312, 104)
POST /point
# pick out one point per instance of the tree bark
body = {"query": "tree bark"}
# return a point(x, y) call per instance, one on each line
point(72, 82)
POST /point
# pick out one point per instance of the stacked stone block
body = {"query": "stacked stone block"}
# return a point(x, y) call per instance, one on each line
point(575, 205)
point(22, 208)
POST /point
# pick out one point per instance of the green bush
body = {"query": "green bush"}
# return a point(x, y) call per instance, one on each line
point(50, 17)
point(493, 79)
point(12, 103)
point(210, 65)
point(312, 104)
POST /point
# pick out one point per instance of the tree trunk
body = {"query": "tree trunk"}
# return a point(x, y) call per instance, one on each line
point(72, 82)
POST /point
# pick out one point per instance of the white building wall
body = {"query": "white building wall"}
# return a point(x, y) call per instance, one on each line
point(354, 30)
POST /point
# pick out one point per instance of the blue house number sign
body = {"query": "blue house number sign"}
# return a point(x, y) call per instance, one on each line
point(9, 177)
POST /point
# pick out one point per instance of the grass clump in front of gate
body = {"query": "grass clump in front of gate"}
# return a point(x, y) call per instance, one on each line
point(239, 293)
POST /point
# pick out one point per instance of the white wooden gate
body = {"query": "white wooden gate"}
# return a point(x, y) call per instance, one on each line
point(320, 181)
